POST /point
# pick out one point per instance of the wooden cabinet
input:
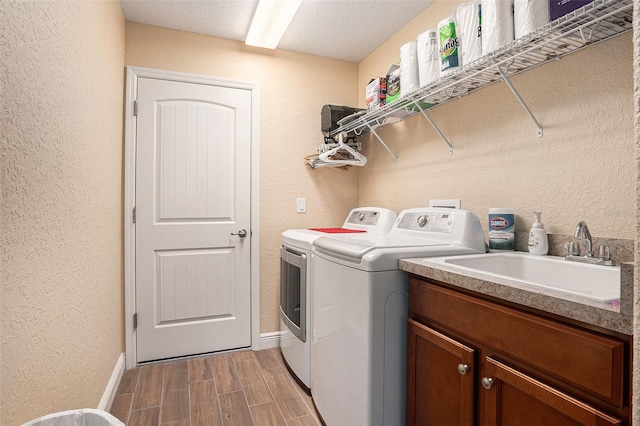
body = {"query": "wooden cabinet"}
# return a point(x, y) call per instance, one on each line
point(478, 361)
point(443, 387)
point(513, 398)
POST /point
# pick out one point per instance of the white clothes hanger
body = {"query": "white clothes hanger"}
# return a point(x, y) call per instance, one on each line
point(317, 163)
point(355, 158)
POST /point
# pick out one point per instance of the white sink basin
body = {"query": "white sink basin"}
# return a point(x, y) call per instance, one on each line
point(594, 282)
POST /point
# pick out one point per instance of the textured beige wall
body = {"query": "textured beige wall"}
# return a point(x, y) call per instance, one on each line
point(61, 218)
point(293, 88)
point(582, 169)
point(636, 302)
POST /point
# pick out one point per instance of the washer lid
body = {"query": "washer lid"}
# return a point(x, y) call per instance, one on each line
point(357, 247)
point(341, 248)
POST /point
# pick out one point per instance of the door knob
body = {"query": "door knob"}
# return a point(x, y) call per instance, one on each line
point(463, 369)
point(241, 233)
point(487, 382)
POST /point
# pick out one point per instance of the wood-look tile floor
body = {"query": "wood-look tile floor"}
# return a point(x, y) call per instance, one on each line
point(241, 388)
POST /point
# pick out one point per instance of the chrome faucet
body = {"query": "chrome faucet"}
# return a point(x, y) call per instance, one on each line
point(583, 231)
point(573, 247)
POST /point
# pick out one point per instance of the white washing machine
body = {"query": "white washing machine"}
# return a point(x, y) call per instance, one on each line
point(296, 279)
point(360, 312)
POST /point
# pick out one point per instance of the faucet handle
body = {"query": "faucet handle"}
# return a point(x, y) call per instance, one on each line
point(604, 252)
point(573, 248)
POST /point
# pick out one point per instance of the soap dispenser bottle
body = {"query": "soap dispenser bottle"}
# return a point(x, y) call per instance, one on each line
point(538, 240)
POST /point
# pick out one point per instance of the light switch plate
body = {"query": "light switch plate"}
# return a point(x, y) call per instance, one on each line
point(301, 205)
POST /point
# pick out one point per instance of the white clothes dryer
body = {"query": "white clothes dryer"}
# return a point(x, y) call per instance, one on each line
point(360, 312)
point(296, 285)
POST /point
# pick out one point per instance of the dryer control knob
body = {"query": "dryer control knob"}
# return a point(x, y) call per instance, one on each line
point(423, 220)
point(362, 216)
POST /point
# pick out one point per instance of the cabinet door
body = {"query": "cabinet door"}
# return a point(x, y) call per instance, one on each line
point(440, 378)
point(512, 398)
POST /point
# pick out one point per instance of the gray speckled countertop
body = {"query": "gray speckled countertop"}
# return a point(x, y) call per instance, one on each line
point(615, 317)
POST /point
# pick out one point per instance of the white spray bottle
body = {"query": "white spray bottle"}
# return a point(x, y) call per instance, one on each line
point(538, 240)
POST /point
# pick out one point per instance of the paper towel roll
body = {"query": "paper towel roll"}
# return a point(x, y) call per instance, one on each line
point(409, 80)
point(497, 24)
point(428, 58)
point(467, 16)
point(529, 15)
point(448, 44)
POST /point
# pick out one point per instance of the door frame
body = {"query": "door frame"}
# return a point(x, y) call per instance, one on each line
point(133, 73)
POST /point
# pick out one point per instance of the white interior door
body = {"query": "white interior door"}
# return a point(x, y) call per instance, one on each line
point(193, 177)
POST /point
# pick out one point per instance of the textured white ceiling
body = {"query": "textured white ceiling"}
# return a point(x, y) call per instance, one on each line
point(340, 29)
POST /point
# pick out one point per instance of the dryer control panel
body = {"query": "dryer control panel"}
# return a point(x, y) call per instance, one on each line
point(364, 217)
point(427, 222)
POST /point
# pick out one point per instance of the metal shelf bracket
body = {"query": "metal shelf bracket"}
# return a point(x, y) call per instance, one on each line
point(424, 114)
point(518, 97)
point(450, 94)
point(589, 37)
point(372, 130)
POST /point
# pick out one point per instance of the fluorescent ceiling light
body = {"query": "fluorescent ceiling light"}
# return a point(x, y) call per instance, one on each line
point(270, 21)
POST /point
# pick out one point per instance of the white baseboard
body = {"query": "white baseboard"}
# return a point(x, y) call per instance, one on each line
point(112, 386)
point(270, 340)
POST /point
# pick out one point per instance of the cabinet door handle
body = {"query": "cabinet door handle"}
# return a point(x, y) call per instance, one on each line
point(487, 382)
point(463, 369)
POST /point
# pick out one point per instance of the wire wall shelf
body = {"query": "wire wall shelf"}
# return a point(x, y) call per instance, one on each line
point(591, 24)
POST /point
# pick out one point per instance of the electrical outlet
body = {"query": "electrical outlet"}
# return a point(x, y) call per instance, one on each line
point(301, 205)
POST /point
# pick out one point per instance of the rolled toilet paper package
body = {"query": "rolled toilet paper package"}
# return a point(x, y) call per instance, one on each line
point(409, 79)
point(428, 58)
point(448, 45)
point(529, 15)
point(467, 17)
point(497, 24)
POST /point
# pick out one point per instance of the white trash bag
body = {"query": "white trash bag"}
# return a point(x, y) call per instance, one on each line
point(84, 417)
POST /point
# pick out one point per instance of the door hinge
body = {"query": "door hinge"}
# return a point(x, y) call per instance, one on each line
point(135, 320)
point(135, 108)
point(134, 215)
